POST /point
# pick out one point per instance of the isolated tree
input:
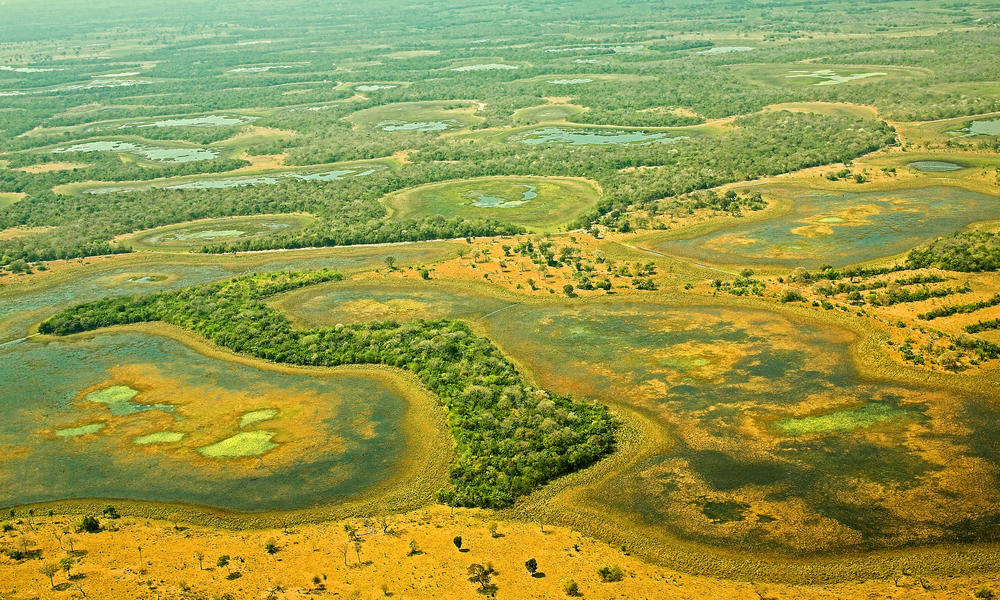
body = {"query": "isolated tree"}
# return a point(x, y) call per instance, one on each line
point(223, 561)
point(271, 547)
point(90, 524)
point(458, 541)
point(357, 550)
point(390, 261)
point(492, 528)
point(50, 570)
point(532, 566)
point(482, 575)
point(201, 557)
point(344, 548)
point(139, 548)
point(67, 563)
point(571, 588)
point(174, 518)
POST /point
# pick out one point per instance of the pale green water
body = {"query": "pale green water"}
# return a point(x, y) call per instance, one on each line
point(426, 126)
point(570, 81)
point(484, 201)
point(374, 88)
point(203, 121)
point(177, 155)
point(724, 50)
point(844, 420)
point(486, 67)
point(987, 127)
point(935, 166)
point(831, 77)
point(584, 137)
point(887, 223)
point(250, 180)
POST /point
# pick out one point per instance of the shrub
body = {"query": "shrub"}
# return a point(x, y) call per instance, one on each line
point(610, 574)
point(90, 524)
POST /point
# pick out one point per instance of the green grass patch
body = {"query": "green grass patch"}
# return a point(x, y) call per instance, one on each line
point(195, 234)
point(540, 204)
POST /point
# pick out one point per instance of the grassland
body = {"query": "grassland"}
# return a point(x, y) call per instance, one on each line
point(541, 204)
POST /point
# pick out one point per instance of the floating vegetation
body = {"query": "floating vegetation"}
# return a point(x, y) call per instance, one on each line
point(257, 416)
point(160, 437)
point(118, 399)
point(843, 420)
point(245, 443)
point(73, 432)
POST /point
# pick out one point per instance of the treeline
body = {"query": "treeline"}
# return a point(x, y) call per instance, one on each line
point(349, 211)
point(954, 309)
point(968, 251)
point(510, 437)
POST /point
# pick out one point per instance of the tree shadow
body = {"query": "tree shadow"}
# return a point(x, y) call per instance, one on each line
point(463, 549)
point(537, 575)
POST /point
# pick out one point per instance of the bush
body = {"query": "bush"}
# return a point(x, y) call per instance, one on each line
point(90, 525)
point(610, 574)
point(791, 296)
point(571, 588)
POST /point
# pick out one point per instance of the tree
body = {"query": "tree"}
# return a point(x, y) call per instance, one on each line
point(344, 548)
point(458, 541)
point(492, 528)
point(50, 570)
point(174, 518)
point(67, 563)
point(90, 524)
point(482, 575)
point(223, 561)
point(357, 550)
point(390, 261)
point(271, 547)
point(568, 289)
point(139, 548)
point(571, 588)
point(532, 566)
point(414, 549)
point(201, 557)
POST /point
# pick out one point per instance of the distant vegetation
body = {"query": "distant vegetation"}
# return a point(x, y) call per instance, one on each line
point(969, 251)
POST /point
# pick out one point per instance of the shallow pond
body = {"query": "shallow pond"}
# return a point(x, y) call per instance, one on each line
point(334, 436)
point(935, 166)
point(724, 50)
point(249, 180)
point(177, 155)
point(768, 414)
point(486, 201)
point(203, 121)
point(987, 127)
point(583, 137)
point(425, 126)
point(831, 77)
point(486, 67)
point(839, 228)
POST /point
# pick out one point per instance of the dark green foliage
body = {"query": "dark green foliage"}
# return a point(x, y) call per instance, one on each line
point(610, 574)
point(510, 436)
point(90, 524)
point(969, 251)
point(954, 309)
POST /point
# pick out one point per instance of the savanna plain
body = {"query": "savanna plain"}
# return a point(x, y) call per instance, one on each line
point(595, 299)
